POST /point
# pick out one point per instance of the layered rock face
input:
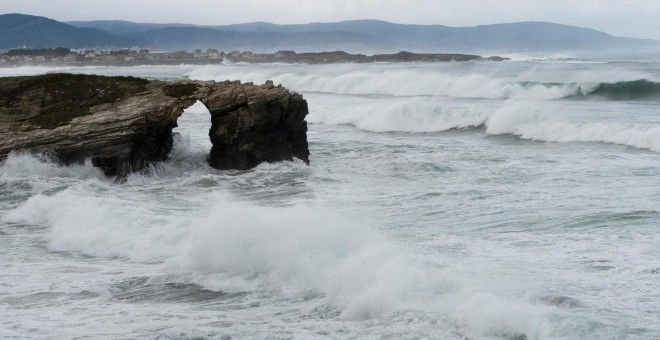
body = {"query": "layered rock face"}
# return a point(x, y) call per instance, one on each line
point(254, 124)
point(124, 123)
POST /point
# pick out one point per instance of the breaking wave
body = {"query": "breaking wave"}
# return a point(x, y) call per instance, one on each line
point(339, 79)
point(523, 119)
point(239, 247)
point(528, 122)
point(623, 90)
point(295, 252)
point(417, 114)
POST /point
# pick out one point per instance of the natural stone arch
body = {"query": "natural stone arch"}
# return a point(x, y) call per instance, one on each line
point(132, 127)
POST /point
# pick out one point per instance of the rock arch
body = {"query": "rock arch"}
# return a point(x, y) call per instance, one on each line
point(124, 123)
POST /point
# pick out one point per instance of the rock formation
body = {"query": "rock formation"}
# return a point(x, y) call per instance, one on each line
point(124, 123)
point(343, 57)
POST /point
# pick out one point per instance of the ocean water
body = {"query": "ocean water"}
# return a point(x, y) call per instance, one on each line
point(479, 200)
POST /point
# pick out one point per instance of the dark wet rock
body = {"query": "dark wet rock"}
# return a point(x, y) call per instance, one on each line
point(405, 56)
point(125, 123)
point(344, 57)
point(254, 124)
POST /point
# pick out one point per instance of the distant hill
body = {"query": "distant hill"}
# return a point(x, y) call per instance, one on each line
point(121, 27)
point(531, 36)
point(360, 36)
point(197, 37)
point(18, 30)
point(379, 36)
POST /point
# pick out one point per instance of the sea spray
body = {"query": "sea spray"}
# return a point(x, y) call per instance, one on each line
point(489, 238)
point(417, 114)
point(532, 120)
point(528, 121)
point(292, 252)
point(27, 165)
point(296, 250)
point(395, 80)
point(390, 83)
point(96, 225)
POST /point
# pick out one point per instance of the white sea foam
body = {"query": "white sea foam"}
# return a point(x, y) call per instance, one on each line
point(306, 270)
point(295, 249)
point(398, 83)
point(291, 252)
point(488, 314)
point(25, 165)
point(541, 57)
point(101, 226)
point(31, 70)
point(298, 249)
point(525, 119)
point(529, 122)
point(407, 115)
point(374, 79)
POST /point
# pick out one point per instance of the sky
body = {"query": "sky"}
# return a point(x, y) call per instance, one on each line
point(631, 18)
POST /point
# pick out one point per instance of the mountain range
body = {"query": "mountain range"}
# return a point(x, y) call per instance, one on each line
point(358, 36)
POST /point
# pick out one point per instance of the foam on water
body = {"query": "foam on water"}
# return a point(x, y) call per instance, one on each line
point(300, 249)
point(528, 122)
point(417, 81)
point(384, 235)
point(541, 57)
point(526, 119)
point(23, 165)
point(417, 114)
point(287, 253)
point(389, 83)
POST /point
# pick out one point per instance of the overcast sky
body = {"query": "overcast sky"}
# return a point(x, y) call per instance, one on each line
point(633, 18)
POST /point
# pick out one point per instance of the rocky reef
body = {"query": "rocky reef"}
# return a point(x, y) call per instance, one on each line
point(336, 57)
point(124, 123)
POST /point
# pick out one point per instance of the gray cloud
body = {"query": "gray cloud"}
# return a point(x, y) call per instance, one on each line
point(635, 18)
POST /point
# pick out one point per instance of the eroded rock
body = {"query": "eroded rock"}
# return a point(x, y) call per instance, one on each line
point(254, 124)
point(124, 123)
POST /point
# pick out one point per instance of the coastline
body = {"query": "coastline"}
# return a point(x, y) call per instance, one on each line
point(284, 57)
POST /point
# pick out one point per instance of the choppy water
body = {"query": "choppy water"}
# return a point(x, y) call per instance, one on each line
point(461, 200)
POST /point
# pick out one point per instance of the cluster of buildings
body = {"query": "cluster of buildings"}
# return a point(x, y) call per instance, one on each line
point(143, 56)
point(15, 57)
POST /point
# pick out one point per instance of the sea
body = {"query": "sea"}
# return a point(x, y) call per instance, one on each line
point(459, 200)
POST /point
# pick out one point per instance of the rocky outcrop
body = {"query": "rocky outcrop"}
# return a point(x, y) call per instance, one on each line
point(124, 123)
point(253, 124)
point(343, 57)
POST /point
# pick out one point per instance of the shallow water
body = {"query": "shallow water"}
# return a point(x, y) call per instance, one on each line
point(462, 200)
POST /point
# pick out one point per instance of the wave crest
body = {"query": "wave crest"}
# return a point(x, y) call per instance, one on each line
point(524, 119)
point(625, 90)
point(346, 79)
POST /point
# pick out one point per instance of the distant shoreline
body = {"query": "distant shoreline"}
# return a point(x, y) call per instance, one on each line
point(173, 62)
point(285, 57)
